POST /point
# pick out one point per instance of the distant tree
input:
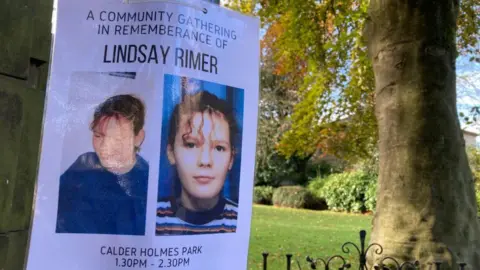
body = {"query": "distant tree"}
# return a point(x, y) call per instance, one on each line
point(468, 85)
point(274, 108)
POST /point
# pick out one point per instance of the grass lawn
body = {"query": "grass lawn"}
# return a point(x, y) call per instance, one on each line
point(279, 231)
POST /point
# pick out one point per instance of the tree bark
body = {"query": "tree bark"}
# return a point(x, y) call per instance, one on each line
point(426, 207)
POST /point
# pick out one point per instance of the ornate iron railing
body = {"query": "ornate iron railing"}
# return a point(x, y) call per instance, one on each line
point(384, 263)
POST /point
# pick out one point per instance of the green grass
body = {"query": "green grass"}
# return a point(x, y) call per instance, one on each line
point(279, 231)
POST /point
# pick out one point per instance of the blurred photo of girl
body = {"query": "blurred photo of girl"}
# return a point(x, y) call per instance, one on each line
point(105, 191)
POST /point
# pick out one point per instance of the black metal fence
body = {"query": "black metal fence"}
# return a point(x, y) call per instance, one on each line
point(339, 262)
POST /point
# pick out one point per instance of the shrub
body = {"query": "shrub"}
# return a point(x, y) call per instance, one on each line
point(315, 187)
point(271, 170)
point(477, 195)
point(263, 195)
point(371, 196)
point(296, 197)
point(473, 154)
point(351, 192)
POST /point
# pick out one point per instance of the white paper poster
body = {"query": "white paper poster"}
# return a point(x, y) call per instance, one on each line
point(148, 149)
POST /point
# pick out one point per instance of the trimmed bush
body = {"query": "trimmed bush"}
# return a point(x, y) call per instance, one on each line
point(296, 197)
point(350, 191)
point(263, 195)
point(315, 187)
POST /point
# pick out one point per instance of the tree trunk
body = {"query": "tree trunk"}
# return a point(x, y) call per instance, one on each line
point(426, 200)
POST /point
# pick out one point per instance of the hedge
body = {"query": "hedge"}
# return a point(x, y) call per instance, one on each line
point(350, 191)
point(263, 195)
point(296, 197)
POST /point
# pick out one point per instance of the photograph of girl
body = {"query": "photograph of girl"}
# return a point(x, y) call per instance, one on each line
point(200, 160)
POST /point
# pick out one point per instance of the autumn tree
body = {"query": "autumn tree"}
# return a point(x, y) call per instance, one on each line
point(383, 71)
point(276, 104)
point(278, 96)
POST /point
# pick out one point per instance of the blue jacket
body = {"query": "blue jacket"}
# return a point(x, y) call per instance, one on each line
point(95, 201)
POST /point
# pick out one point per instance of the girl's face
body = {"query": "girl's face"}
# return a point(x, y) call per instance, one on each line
point(114, 142)
point(202, 153)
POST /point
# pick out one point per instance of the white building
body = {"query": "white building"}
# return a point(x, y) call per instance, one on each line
point(470, 137)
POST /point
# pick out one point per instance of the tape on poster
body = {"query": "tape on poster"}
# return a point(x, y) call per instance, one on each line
point(202, 9)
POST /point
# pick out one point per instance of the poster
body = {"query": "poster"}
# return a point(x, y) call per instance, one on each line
point(148, 144)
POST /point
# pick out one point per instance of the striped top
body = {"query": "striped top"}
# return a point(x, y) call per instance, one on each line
point(174, 219)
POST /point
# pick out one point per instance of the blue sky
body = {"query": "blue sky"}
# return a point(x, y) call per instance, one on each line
point(468, 86)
